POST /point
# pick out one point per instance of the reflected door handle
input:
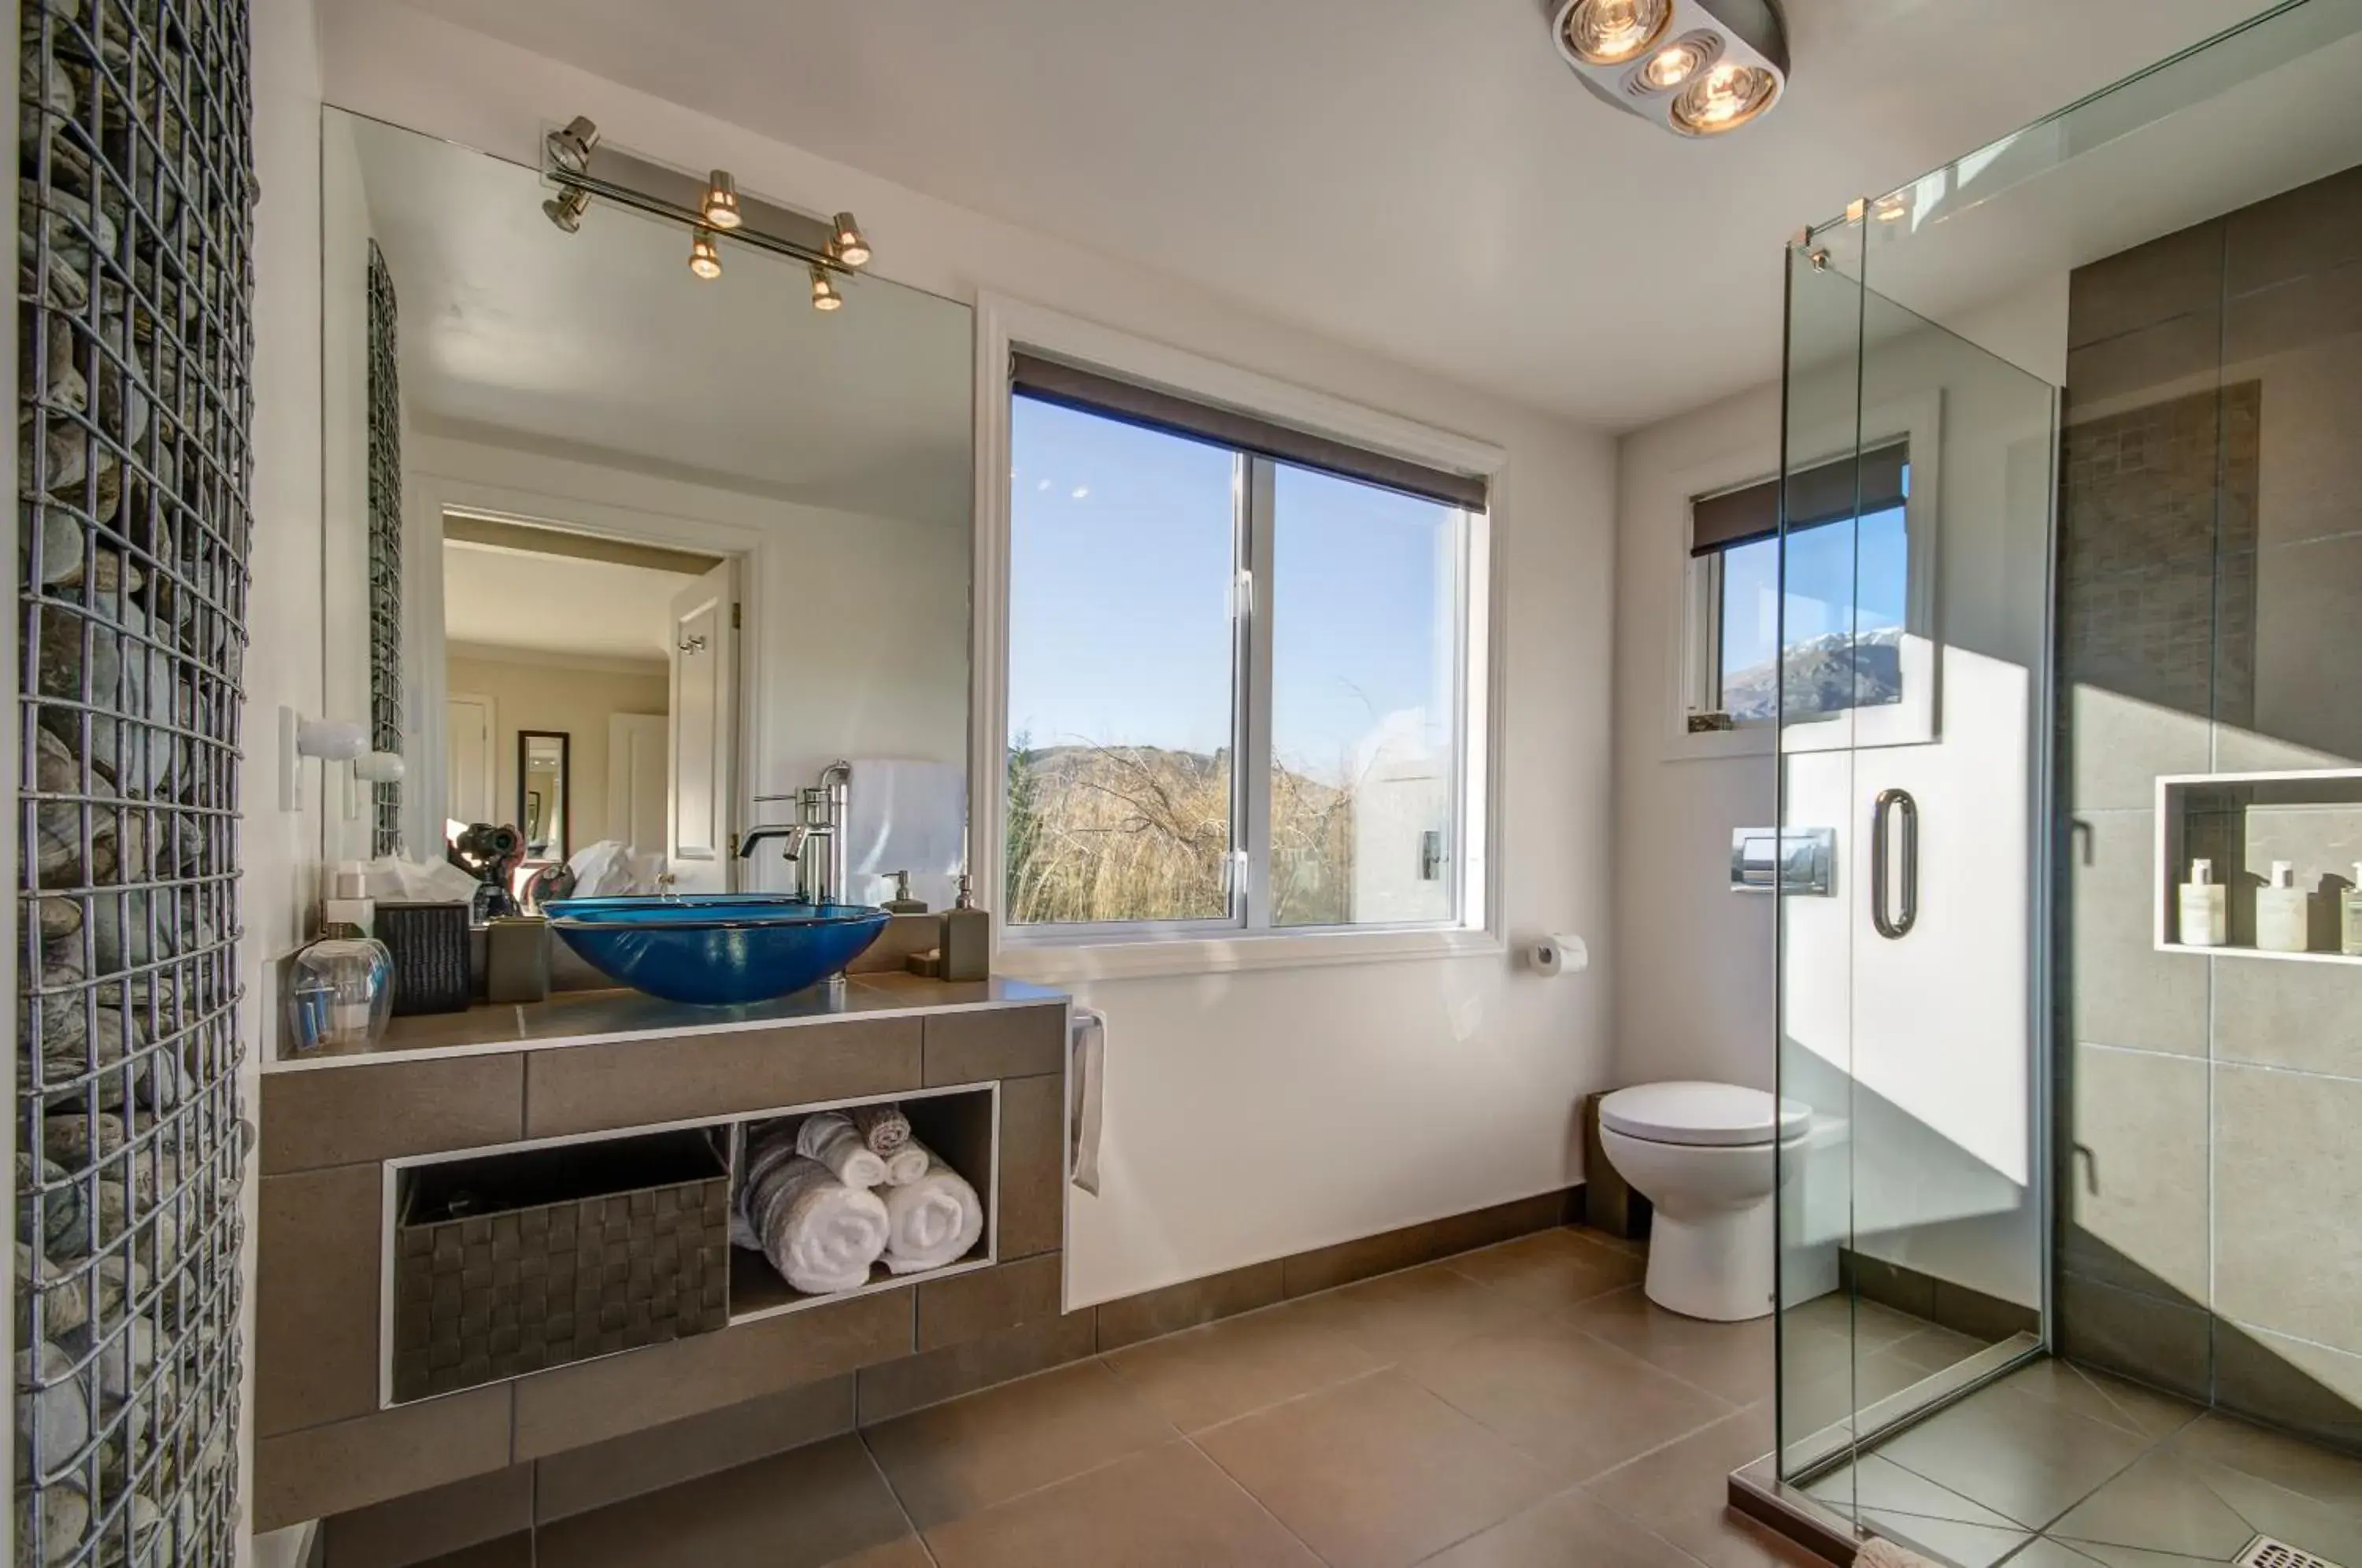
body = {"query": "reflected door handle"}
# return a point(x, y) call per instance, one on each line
point(1893, 803)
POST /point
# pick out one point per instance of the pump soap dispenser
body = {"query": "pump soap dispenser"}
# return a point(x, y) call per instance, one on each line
point(2281, 917)
point(2205, 909)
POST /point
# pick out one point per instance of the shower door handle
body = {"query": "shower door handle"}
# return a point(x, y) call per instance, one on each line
point(1891, 805)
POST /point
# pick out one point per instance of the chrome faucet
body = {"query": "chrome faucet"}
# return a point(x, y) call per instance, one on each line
point(820, 822)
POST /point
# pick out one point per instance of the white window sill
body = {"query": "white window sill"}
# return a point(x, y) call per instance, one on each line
point(1066, 963)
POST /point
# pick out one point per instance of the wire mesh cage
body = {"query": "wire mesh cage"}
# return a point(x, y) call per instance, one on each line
point(133, 286)
point(384, 547)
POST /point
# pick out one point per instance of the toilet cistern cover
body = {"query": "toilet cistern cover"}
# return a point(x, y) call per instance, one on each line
point(1717, 1115)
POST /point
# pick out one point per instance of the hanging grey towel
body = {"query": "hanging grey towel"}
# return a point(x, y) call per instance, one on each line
point(1086, 1090)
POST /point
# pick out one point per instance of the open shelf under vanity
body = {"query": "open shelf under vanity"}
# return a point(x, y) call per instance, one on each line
point(552, 1230)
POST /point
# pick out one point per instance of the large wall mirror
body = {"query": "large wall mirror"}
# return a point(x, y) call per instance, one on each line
point(629, 547)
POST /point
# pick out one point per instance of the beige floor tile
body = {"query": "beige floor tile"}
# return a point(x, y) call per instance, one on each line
point(508, 1552)
point(2316, 1472)
point(907, 1553)
point(1569, 1530)
point(1732, 1361)
point(1551, 1271)
point(1876, 1485)
point(1933, 1350)
point(956, 1459)
point(2019, 1457)
point(2323, 1529)
point(2043, 1553)
point(1417, 1310)
point(2133, 1557)
point(1168, 1507)
point(1375, 1471)
point(1680, 1491)
point(1863, 1324)
point(1204, 1375)
point(803, 1508)
point(2160, 1504)
point(2092, 1393)
point(1574, 1404)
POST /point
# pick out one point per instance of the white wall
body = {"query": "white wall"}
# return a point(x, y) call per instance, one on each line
point(1931, 1035)
point(282, 659)
point(574, 698)
point(1248, 1115)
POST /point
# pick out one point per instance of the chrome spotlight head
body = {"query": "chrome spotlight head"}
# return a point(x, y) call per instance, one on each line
point(823, 294)
point(720, 203)
point(705, 259)
point(1698, 68)
point(565, 209)
point(846, 242)
point(570, 144)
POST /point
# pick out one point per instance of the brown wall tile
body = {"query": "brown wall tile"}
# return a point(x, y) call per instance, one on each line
point(316, 1296)
point(2309, 229)
point(2289, 1383)
point(337, 1116)
point(2149, 283)
point(428, 1524)
point(1001, 1043)
point(350, 1465)
point(891, 1389)
point(581, 1479)
point(592, 1401)
point(1033, 1167)
point(989, 1301)
point(587, 1088)
point(2172, 359)
point(2145, 1337)
point(1154, 1313)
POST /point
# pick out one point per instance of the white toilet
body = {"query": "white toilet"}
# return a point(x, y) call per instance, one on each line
point(1703, 1155)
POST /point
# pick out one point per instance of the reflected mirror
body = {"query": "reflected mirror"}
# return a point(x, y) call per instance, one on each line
point(541, 796)
point(617, 554)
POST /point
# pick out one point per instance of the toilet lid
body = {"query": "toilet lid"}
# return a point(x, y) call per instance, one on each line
point(1699, 1113)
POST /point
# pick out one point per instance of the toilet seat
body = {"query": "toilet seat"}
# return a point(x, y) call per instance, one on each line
point(1703, 1115)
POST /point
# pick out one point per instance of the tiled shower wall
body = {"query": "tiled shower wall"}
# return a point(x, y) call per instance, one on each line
point(2211, 616)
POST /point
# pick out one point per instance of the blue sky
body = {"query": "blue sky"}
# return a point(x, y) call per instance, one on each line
point(1121, 562)
point(1823, 580)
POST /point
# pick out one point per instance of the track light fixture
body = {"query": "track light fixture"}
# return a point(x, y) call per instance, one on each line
point(710, 206)
point(721, 200)
point(1698, 68)
point(846, 242)
point(566, 208)
point(570, 144)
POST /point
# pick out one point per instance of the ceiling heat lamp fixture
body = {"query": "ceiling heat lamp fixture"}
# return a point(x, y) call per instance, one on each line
point(582, 167)
point(1698, 68)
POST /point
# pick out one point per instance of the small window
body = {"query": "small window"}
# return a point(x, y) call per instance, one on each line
point(1236, 680)
point(1831, 631)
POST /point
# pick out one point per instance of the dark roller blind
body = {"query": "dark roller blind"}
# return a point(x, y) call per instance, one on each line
point(1074, 387)
point(1824, 493)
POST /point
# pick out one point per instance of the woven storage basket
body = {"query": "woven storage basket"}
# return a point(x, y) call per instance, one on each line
point(521, 1261)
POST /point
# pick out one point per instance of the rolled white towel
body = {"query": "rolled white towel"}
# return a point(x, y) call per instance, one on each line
point(883, 1127)
point(908, 1163)
point(821, 1234)
point(829, 1138)
point(932, 1220)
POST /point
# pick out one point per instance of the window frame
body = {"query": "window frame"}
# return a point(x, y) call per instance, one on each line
point(1694, 660)
point(1244, 939)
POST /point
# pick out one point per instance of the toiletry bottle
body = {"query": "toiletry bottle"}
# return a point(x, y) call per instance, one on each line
point(2205, 908)
point(902, 902)
point(2349, 909)
point(968, 936)
point(2282, 916)
point(348, 910)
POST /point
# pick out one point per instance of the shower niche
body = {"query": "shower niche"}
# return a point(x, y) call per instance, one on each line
point(2242, 825)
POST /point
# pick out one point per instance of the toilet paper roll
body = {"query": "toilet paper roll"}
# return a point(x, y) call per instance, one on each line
point(1557, 955)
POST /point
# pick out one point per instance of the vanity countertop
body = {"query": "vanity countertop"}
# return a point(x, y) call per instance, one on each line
point(592, 1017)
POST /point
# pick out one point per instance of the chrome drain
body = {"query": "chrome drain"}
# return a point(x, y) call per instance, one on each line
point(2265, 1553)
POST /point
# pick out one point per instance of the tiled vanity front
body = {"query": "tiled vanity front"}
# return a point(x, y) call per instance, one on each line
point(328, 1439)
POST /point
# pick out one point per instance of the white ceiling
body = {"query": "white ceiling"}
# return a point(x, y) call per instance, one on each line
point(602, 344)
point(1424, 179)
point(497, 597)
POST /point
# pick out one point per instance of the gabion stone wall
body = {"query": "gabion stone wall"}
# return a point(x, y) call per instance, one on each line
point(384, 545)
point(133, 281)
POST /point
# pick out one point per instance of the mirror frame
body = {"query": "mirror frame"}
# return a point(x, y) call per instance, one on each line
point(564, 739)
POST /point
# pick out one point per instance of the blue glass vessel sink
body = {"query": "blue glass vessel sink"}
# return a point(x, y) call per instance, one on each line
point(715, 949)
